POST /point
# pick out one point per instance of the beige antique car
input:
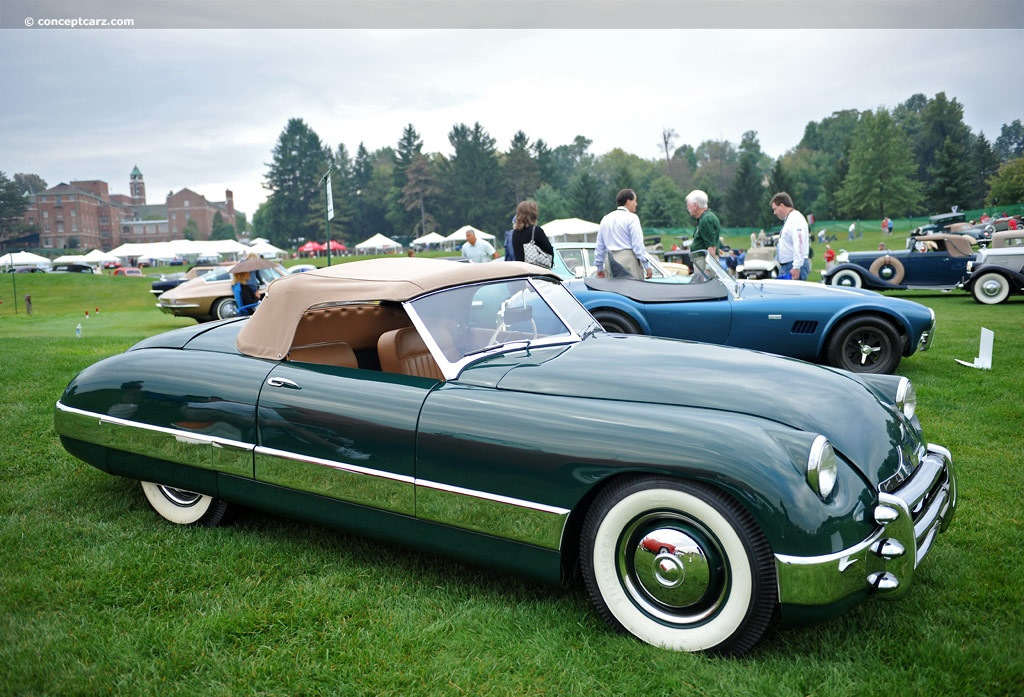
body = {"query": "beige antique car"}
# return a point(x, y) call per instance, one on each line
point(210, 296)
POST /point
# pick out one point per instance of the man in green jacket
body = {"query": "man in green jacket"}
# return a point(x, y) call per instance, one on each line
point(706, 236)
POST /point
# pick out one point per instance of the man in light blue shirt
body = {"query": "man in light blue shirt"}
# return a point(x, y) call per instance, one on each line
point(476, 250)
point(620, 241)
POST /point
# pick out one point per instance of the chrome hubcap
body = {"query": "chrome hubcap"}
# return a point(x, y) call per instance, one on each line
point(991, 288)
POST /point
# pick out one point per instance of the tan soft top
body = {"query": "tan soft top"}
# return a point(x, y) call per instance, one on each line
point(269, 332)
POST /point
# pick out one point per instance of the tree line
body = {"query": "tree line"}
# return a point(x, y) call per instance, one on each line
point(917, 158)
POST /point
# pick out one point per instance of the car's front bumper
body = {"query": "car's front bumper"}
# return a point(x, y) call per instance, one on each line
point(884, 563)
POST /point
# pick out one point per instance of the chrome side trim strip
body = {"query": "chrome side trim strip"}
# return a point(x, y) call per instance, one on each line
point(492, 514)
point(159, 442)
point(502, 516)
point(337, 480)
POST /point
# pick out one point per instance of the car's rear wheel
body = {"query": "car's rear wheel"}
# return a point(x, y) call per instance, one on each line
point(185, 507)
point(678, 565)
point(225, 308)
point(846, 277)
point(616, 322)
point(990, 288)
point(865, 345)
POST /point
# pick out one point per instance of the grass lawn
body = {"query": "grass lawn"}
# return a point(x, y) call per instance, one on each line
point(100, 596)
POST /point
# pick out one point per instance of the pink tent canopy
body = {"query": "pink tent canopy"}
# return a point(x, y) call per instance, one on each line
point(312, 246)
point(337, 246)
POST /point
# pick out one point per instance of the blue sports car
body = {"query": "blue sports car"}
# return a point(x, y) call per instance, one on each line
point(849, 328)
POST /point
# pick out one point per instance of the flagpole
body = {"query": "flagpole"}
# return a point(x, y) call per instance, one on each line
point(328, 209)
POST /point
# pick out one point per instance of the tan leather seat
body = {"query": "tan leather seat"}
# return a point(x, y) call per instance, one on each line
point(328, 353)
point(403, 351)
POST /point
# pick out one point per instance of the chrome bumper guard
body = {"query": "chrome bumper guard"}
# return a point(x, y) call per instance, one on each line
point(926, 337)
point(908, 520)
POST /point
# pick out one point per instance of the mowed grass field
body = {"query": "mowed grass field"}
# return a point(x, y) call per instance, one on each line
point(98, 595)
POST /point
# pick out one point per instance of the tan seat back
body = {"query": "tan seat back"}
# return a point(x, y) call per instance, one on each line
point(403, 351)
point(335, 353)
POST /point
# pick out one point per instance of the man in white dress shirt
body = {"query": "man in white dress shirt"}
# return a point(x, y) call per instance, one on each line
point(793, 240)
point(620, 247)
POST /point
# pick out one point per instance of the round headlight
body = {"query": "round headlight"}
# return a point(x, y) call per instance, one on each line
point(822, 467)
point(906, 398)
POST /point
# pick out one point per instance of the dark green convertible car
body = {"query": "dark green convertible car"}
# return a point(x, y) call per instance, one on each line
point(479, 411)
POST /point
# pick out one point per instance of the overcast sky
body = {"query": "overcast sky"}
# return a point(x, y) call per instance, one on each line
point(203, 108)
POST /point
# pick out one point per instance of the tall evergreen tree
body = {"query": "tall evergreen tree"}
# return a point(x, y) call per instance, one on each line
point(300, 161)
point(880, 180)
point(473, 181)
point(587, 198)
point(746, 198)
point(984, 163)
point(420, 188)
point(410, 146)
point(12, 208)
point(1010, 143)
point(522, 173)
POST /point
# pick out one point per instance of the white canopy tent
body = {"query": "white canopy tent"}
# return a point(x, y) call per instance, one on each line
point(378, 243)
point(428, 239)
point(571, 230)
point(97, 256)
point(24, 259)
point(266, 250)
point(71, 259)
point(455, 240)
point(229, 250)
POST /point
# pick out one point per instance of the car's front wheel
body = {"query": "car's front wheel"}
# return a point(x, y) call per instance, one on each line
point(678, 565)
point(225, 308)
point(990, 288)
point(846, 277)
point(865, 345)
point(185, 507)
point(616, 322)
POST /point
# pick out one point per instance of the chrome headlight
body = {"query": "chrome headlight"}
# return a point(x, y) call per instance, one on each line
point(822, 467)
point(906, 398)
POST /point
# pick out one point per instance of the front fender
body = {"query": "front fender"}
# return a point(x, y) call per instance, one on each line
point(976, 273)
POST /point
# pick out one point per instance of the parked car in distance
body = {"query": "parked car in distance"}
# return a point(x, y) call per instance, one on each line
point(301, 268)
point(997, 273)
point(24, 269)
point(173, 280)
point(930, 261)
point(849, 328)
point(759, 262)
point(475, 410)
point(209, 296)
point(127, 271)
point(73, 268)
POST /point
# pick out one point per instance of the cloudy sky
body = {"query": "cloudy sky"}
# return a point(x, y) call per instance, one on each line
point(199, 101)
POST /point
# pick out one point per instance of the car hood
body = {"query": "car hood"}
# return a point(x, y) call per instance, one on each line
point(786, 391)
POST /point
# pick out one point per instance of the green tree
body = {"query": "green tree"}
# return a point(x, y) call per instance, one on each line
point(664, 204)
point(12, 208)
point(746, 199)
point(586, 197)
point(984, 163)
point(1007, 186)
point(191, 231)
point(1010, 143)
point(420, 187)
point(552, 204)
point(880, 180)
point(522, 173)
point(403, 219)
point(473, 181)
point(949, 177)
point(221, 230)
point(240, 223)
point(30, 183)
point(300, 161)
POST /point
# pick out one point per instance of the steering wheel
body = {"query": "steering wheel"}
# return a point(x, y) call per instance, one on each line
point(503, 329)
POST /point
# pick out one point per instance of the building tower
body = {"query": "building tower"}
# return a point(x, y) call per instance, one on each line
point(137, 188)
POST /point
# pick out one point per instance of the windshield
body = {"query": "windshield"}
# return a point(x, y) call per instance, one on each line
point(224, 273)
point(470, 320)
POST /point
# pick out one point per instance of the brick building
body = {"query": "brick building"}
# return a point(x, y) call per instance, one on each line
point(85, 215)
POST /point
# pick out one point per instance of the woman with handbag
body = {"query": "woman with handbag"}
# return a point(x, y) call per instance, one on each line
point(529, 243)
